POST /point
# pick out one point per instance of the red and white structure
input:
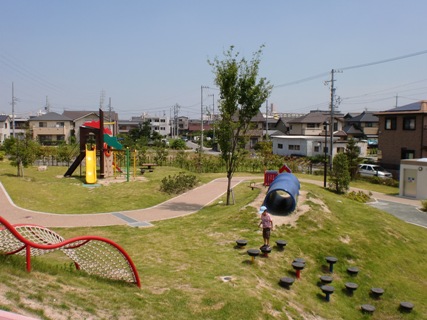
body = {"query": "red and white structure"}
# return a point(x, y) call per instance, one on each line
point(94, 255)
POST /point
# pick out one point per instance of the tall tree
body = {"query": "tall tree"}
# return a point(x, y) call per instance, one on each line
point(339, 176)
point(241, 96)
point(352, 151)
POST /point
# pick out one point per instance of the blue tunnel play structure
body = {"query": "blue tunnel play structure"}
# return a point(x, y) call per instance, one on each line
point(282, 195)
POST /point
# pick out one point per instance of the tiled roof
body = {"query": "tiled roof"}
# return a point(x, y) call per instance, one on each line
point(3, 117)
point(79, 114)
point(315, 117)
point(365, 116)
point(51, 116)
point(349, 129)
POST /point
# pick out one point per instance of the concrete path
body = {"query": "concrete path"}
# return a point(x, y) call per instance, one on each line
point(187, 203)
point(184, 204)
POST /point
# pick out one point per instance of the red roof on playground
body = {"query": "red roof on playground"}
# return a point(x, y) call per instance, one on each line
point(95, 124)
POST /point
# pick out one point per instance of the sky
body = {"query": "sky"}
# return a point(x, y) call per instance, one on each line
point(140, 56)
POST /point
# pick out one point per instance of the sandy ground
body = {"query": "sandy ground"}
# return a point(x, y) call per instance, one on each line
point(293, 217)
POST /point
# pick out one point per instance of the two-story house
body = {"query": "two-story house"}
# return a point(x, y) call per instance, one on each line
point(310, 135)
point(81, 117)
point(51, 128)
point(402, 134)
point(5, 131)
point(362, 126)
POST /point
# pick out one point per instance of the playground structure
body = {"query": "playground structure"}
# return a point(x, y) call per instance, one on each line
point(94, 255)
point(96, 140)
point(283, 191)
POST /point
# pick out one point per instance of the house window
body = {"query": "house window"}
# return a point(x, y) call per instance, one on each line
point(5, 125)
point(390, 124)
point(42, 124)
point(316, 149)
point(311, 125)
point(60, 124)
point(340, 150)
point(409, 123)
point(407, 154)
point(279, 146)
point(294, 147)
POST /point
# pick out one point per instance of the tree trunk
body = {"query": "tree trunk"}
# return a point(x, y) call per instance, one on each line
point(228, 190)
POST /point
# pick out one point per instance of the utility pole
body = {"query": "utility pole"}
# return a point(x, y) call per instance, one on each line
point(109, 109)
point(176, 108)
point(213, 116)
point(331, 122)
point(201, 117)
point(13, 110)
point(266, 120)
point(47, 107)
point(101, 100)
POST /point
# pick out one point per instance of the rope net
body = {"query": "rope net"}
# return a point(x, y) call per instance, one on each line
point(94, 255)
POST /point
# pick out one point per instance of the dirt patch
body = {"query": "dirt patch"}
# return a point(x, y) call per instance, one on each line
point(112, 180)
point(290, 219)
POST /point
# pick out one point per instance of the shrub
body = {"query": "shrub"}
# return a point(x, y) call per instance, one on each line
point(424, 205)
point(359, 196)
point(178, 183)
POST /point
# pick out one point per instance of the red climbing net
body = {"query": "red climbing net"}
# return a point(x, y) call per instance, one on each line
point(94, 255)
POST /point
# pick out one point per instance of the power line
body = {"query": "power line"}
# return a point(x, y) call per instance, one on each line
point(320, 75)
point(385, 60)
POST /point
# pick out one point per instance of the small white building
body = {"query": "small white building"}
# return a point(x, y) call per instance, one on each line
point(310, 146)
point(413, 178)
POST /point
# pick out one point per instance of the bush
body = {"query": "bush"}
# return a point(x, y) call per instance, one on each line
point(178, 183)
point(424, 205)
point(384, 182)
point(359, 196)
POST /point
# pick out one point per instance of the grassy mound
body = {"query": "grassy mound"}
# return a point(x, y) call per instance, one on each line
point(190, 267)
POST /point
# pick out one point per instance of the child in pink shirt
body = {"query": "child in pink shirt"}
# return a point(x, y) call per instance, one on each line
point(267, 225)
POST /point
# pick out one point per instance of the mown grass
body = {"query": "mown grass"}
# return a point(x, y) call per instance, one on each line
point(181, 262)
point(49, 191)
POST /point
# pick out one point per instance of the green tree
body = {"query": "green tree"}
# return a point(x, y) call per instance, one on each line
point(66, 152)
point(22, 153)
point(161, 155)
point(241, 96)
point(178, 144)
point(339, 175)
point(352, 152)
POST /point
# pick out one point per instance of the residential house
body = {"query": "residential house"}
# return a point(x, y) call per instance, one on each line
point(81, 117)
point(5, 131)
point(312, 123)
point(182, 123)
point(363, 126)
point(19, 127)
point(51, 128)
point(307, 136)
point(127, 125)
point(402, 134)
point(158, 124)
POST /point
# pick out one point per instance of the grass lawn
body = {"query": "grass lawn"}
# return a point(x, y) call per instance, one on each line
point(181, 263)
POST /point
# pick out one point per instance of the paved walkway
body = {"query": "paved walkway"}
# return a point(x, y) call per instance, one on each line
point(187, 203)
point(404, 208)
point(184, 204)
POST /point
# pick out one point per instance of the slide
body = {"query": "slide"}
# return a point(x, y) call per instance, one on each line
point(90, 165)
